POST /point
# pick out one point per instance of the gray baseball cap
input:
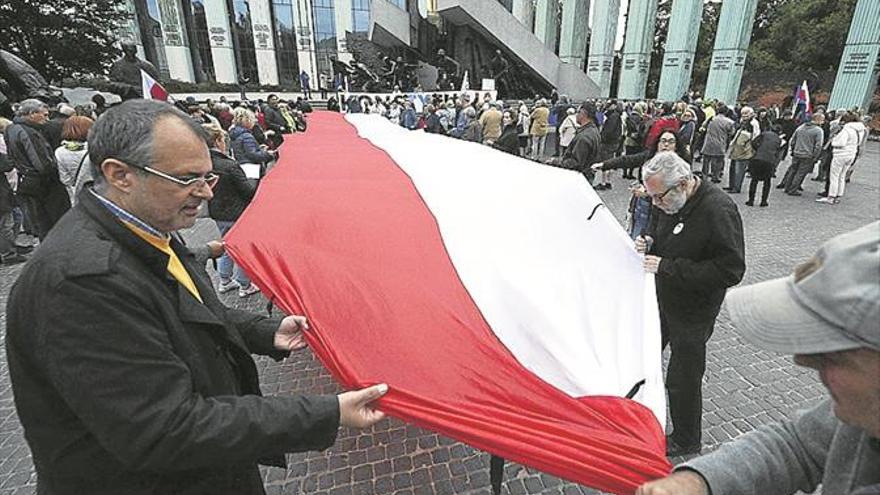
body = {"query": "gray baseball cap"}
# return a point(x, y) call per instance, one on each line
point(831, 304)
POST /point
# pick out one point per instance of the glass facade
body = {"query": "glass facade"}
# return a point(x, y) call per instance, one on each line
point(325, 34)
point(360, 16)
point(285, 42)
point(200, 42)
point(243, 39)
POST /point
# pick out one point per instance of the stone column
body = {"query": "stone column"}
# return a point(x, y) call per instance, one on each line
point(637, 47)
point(221, 41)
point(681, 43)
point(264, 41)
point(342, 10)
point(129, 32)
point(176, 44)
point(305, 41)
point(600, 62)
point(860, 64)
point(524, 12)
point(731, 48)
point(545, 22)
point(573, 45)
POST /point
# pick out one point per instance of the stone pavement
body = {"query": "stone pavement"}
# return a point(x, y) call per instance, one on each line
point(744, 387)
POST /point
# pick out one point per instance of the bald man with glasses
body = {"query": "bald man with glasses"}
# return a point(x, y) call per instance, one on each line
point(129, 375)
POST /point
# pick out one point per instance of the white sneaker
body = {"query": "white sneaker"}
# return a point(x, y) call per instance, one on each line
point(824, 199)
point(225, 287)
point(250, 290)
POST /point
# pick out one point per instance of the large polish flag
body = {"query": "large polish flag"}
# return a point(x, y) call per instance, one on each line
point(501, 302)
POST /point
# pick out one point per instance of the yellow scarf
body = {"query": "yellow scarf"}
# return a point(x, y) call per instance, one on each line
point(175, 267)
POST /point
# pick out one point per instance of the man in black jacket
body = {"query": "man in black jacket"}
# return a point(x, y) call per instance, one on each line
point(583, 151)
point(275, 121)
point(695, 247)
point(40, 192)
point(129, 375)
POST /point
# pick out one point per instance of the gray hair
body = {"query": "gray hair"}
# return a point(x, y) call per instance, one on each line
point(668, 165)
point(30, 106)
point(469, 112)
point(125, 132)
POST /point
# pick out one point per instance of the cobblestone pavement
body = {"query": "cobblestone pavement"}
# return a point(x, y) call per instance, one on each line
point(744, 387)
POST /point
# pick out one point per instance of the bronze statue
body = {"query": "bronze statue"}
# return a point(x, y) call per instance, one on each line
point(20, 81)
point(126, 73)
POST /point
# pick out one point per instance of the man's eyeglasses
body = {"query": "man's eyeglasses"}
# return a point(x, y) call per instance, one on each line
point(210, 179)
point(659, 197)
point(667, 140)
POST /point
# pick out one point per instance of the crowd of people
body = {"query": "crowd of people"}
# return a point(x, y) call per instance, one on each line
point(122, 300)
point(45, 156)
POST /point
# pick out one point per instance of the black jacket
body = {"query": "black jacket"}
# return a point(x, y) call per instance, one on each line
point(274, 120)
point(508, 141)
point(29, 149)
point(583, 150)
point(612, 128)
point(125, 383)
point(700, 262)
point(233, 192)
point(767, 146)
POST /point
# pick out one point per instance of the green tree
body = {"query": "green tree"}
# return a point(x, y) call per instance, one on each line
point(800, 35)
point(63, 38)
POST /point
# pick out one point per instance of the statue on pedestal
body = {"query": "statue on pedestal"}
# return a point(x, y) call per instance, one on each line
point(126, 73)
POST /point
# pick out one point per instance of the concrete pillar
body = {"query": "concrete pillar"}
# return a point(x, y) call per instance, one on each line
point(221, 41)
point(545, 23)
point(681, 43)
point(731, 48)
point(264, 41)
point(524, 12)
point(573, 42)
point(342, 9)
point(176, 45)
point(129, 32)
point(305, 41)
point(637, 47)
point(600, 62)
point(860, 64)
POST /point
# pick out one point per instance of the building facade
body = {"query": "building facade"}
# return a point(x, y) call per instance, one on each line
point(269, 42)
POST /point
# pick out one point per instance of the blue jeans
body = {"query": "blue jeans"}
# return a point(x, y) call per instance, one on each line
point(641, 214)
point(737, 174)
point(225, 266)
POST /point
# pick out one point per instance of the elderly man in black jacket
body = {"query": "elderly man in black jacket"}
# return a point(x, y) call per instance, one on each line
point(129, 375)
point(40, 192)
point(275, 121)
point(695, 247)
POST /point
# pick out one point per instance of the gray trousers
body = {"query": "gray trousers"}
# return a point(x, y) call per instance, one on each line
point(713, 166)
point(796, 173)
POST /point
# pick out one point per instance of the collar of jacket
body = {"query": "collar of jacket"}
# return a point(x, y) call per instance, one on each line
point(156, 260)
point(694, 200)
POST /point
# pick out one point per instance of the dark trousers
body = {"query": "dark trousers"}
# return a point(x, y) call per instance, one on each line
point(44, 211)
point(684, 376)
point(713, 166)
point(765, 189)
point(737, 174)
point(796, 173)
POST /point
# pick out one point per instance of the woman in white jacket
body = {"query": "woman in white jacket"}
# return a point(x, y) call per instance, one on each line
point(567, 130)
point(844, 146)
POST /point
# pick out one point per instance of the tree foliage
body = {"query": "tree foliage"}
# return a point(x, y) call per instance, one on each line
point(62, 38)
point(800, 35)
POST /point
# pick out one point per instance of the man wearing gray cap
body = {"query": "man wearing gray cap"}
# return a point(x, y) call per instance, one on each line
point(828, 315)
